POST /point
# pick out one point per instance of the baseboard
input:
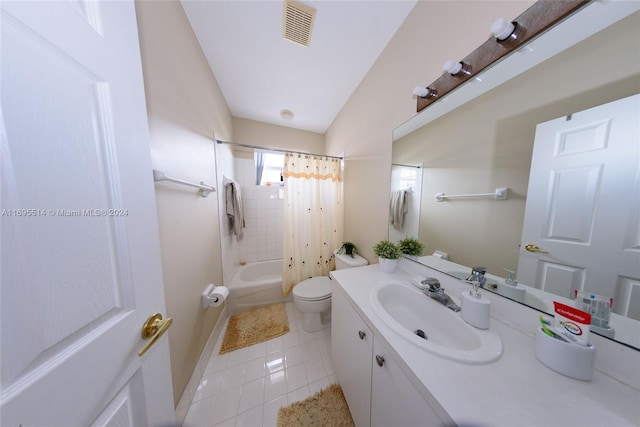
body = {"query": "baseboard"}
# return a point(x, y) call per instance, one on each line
point(187, 396)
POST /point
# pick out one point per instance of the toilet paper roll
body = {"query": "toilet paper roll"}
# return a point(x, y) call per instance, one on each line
point(214, 296)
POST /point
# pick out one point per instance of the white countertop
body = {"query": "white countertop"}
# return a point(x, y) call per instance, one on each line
point(516, 390)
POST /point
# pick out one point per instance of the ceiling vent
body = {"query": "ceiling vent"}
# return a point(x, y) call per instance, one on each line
point(298, 22)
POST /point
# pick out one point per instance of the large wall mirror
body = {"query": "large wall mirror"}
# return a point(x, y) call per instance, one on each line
point(487, 142)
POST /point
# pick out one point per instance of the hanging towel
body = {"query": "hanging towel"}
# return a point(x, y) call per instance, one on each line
point(397, 208)
point(235, 211)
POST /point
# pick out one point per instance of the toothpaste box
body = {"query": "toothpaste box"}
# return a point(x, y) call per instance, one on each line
point(571, 323)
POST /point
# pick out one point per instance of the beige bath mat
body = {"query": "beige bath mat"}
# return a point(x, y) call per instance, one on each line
point(325, 408)
point(254, 326)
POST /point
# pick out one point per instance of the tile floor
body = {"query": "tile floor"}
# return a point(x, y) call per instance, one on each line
point(246, 387)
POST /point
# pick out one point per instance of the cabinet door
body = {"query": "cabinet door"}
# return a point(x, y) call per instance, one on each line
point(394, 399)
point(351, 349)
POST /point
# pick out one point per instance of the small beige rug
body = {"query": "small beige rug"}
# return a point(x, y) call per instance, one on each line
point(325, 408)
point(255, 326)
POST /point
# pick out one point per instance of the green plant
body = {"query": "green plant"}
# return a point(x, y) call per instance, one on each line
point(387, 249)
point(411, 246)
point(348, 248)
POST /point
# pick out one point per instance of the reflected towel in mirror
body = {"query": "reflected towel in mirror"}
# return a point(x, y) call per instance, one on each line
point(397, 208)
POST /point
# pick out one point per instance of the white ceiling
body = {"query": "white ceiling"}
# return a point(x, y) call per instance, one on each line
point(260, 73)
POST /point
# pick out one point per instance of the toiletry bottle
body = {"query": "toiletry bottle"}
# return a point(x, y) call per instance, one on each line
point(476, 308)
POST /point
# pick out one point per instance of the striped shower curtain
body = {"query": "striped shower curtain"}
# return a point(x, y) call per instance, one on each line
point(312, 217)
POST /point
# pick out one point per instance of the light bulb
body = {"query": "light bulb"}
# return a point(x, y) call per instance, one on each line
point(452, 67)
point(502, 28)
point(420, 91)
point(426, 92)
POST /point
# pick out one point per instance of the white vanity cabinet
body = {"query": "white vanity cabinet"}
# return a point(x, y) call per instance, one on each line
point(351, 349)
point(394, 399)
point(377, 390)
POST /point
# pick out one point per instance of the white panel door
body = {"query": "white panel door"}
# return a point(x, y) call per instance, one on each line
point(583, 204)
point(80, 248)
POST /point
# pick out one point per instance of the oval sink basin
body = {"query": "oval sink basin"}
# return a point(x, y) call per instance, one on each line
point(431, 326)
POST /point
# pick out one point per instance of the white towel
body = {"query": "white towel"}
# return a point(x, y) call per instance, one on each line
point(397, 208)
point(234, 208)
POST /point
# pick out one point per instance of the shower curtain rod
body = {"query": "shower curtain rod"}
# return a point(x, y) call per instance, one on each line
point(276, 149)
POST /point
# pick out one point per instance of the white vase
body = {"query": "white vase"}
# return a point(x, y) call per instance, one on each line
point(387, 265)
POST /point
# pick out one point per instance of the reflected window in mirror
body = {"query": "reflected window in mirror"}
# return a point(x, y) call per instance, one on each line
point(404, 201)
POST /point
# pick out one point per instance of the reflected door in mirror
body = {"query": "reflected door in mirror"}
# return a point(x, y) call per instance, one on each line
point(582, 206)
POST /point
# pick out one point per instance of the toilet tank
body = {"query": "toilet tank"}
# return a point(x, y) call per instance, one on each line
point(346, 261)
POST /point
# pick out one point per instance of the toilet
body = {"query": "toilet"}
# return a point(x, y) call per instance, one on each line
point(312, 296)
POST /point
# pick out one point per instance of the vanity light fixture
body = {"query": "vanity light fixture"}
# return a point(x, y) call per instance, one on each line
point(510, 36)
point(456, 69)
point(424, 92)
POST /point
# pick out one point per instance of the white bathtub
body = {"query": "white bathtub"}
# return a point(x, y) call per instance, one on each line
point(256, 284)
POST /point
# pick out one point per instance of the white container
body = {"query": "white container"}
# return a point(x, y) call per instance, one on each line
point(387, 265)
point(571, 360)
point(476, 310)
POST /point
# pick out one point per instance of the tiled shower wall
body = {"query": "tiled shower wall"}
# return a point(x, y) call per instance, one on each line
point(229, 246)
point(263, 213)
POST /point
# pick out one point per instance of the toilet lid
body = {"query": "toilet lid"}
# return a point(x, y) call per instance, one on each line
point(313, 289)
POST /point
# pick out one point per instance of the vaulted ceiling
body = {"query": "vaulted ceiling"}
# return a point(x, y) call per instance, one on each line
point(261, 73)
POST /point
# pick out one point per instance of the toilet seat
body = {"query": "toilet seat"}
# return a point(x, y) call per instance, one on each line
point(314, 289)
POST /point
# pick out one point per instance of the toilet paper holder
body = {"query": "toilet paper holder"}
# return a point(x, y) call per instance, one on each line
point(210, 298)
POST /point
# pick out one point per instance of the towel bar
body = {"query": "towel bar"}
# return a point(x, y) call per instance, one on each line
point(499, 194)
point(205, 189)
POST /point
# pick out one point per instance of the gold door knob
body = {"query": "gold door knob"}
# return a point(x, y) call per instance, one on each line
point(533, 248)
point(153, 328)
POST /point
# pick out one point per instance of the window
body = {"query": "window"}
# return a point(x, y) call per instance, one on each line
point(269, 167)
point(408, 178)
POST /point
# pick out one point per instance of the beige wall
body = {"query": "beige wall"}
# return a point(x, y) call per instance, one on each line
point(185, 106)
point(487, 143)
point(434, 32)
point(273, 136)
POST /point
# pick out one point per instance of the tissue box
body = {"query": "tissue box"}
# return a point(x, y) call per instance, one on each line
point(572, 360)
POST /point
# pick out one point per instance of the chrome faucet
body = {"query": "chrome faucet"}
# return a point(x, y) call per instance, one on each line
point(437, 293)
point(477, 275)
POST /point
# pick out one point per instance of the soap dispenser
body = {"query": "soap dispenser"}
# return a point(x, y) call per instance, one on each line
point(475, 308)
point(511, 288)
